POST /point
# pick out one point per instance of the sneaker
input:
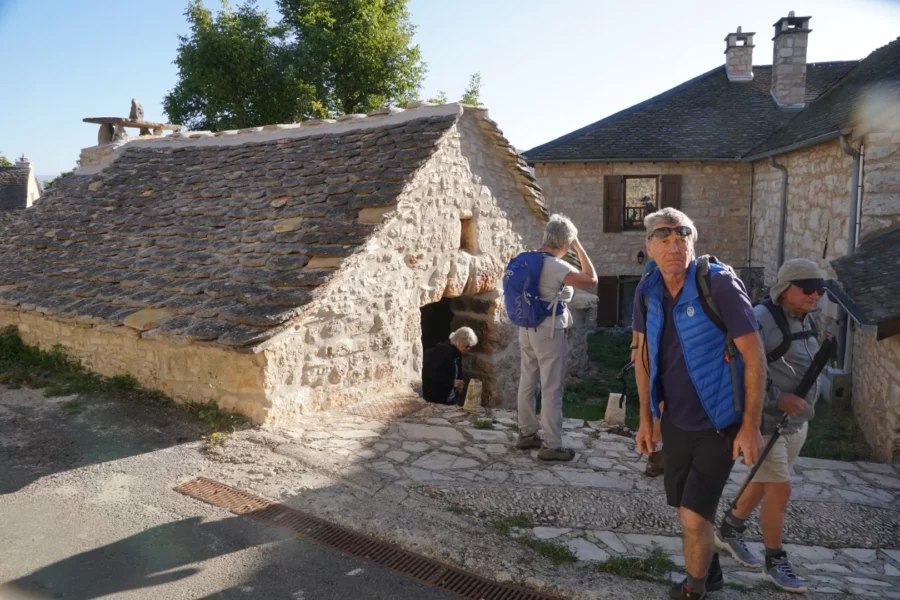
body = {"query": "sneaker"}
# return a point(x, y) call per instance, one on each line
point(655, 464)
point(715, 581)
point(780, 572)
point(732, 543)
point(528, 442)
point(557, 454)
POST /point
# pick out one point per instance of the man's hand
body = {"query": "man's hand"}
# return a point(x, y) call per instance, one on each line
point(644, 438)
point(749, 443)
point(458, 384)
point(791, 404)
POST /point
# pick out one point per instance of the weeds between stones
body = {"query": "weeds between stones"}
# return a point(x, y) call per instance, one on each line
point(483, 424)
point(61, 375)
point(653, 567)
point(555, 552)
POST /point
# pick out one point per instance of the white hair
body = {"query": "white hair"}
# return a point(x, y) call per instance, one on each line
point(464, 335)
point(559, 230)
point(669, 216)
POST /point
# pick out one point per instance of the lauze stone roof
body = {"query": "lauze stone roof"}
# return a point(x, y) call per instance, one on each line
point(229, 239)
point(13, 188)
point(869, 277)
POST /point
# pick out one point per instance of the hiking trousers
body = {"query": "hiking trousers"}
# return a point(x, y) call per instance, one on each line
point(544, 356)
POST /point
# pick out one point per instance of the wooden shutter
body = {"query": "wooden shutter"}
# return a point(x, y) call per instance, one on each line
point(670, 191)
point(613, 201)
point(608, 301)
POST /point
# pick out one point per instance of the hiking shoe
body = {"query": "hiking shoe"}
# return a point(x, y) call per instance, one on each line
point(528, 442)
point(655, 464)
point(732, 543)
point(715, 581)
point(680, 591)
point(558, 454)
point(780, 572)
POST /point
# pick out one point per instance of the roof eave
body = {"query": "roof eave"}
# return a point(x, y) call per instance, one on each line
point(630, 160)
point(813, 141)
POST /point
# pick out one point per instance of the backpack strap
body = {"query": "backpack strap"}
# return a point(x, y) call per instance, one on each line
point(708, 303)
point(787, 338)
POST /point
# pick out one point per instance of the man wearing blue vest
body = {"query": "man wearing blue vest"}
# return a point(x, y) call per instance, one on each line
point(700, 353)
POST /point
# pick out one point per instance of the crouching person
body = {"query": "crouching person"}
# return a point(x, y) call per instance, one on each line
point(789, 336)
point(442, 374)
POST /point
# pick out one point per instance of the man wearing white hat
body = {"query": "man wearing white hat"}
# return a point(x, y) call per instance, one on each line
point(789, 334)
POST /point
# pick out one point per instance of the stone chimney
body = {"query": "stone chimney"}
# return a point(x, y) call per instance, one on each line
point(23, 162)
point(789, 61)
point(739, 56)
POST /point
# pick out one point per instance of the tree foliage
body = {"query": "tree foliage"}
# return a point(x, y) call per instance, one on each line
point(56, 179)
point(4, 162)
point(322, 59)
point(471, 95)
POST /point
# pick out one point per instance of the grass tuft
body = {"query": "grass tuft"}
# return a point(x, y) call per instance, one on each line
point(655, 566)
point(505, 524)
point(483, 424)
point(555, 552)
point(834, 434)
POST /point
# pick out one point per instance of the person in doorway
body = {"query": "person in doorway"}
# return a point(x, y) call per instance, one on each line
point(656, 461)
point(800, 286)
point(708, 423)
point(545, 348)
point(442, 374)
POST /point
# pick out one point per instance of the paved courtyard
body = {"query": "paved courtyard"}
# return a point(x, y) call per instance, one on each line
point(842, 527)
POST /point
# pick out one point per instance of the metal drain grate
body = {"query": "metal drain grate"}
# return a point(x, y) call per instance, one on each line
point(417, 567)
point(386, 410)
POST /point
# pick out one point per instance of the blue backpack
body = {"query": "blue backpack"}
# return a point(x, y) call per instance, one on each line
point(521, 294)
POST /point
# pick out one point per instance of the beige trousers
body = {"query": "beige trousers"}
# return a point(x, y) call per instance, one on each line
point(544, 356)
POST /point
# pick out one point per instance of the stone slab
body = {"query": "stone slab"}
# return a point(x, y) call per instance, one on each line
point(863, 555)
point(487, 435)
point(549, 533)
point(828, 567)
point(669, 544)
point(586, 551)
point(612, 541)
point(868, 582)
point(810, 553)
point(894, 554)
point(416, 431)
point(821, 463)
point(821, 476)
point(397, 455)
point(415, 446)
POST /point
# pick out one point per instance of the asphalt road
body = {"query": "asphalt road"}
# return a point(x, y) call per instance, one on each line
point(87, 510)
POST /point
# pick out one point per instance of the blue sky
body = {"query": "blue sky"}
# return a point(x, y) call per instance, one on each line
point(548, 66)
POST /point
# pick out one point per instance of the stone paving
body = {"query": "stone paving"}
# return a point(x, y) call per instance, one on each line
point(842, 528)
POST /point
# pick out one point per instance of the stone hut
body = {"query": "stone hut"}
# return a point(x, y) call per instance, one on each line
point(792, 159)
point(285, 268)
point(19, 188)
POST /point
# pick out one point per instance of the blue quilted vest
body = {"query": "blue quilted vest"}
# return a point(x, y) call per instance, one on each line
point(703, 344)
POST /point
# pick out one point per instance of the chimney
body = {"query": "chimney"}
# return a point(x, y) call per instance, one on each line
point(739, 56)
point(789, 61)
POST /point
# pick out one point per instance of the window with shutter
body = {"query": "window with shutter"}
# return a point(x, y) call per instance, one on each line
point(608, 301)
point(670, 191)
point(613, 202)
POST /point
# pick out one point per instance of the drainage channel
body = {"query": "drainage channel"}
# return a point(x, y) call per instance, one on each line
point(415, 566)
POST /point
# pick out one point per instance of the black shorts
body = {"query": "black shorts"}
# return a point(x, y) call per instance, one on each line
point(697, 466)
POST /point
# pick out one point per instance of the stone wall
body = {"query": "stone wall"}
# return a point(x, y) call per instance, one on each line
point(185, 372)
point(361, 337)
point(881, 184)
point(715, 195)
point(876, 393)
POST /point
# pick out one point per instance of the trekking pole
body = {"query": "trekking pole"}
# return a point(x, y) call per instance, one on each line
point(825, 353)
point(621, 377)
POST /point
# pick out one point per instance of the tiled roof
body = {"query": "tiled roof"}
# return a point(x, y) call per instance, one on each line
point(834, 110)
point(220, 235)
point(13, 188)
point(869, 278)
point(706, 118)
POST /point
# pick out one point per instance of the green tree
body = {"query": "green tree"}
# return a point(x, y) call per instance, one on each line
point(56, 179)
point(235, 70)
point(473, 92)
point(324, 58)
point(4, 162)
point(357, 53)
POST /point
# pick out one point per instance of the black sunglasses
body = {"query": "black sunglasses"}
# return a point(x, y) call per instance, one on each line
point(813, 290)
point(662, 233)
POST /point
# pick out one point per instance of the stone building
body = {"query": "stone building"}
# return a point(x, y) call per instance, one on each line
point(772, 162)
point(285, 268)
point(19, 187)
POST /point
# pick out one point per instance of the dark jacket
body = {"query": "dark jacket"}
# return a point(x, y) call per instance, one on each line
point(442, 365)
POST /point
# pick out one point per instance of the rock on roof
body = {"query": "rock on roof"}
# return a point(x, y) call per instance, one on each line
point(706, 118)
point(13, 188)
point(228, 235)
point(869, 278)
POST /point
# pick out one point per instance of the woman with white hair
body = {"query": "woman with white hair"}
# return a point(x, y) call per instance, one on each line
point(544, 348)
point(442, 376)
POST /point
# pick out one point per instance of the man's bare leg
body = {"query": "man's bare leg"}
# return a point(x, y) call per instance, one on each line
point(699, 546)
point(749, 500)
point(771, 517)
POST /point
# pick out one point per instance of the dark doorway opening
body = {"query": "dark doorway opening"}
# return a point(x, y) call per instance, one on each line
point(627, 288)
point(436, 319)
